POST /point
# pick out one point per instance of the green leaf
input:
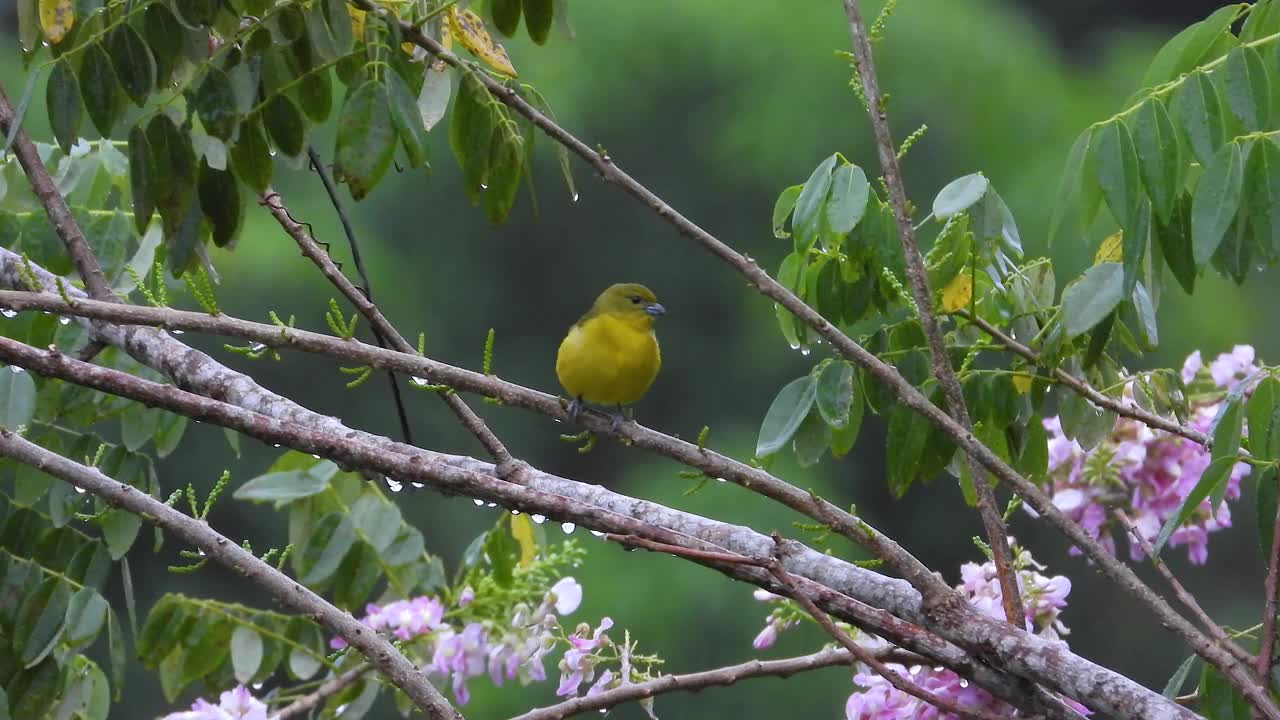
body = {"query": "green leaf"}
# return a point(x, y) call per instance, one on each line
point(100, 89)
point(505, 15)
point(1216, 199)
point(959, 195)
point(171, 175)
point(220, 203)
point(407, 120)
point(849, 193)
point(1217, 698)
point(538, 16)
point(137, 425)
point(166, 38)
point(1134, 245)
point(1083, 421)
point(782, 210)
point(1145, 318)
point(169, 434)
point(1198, 109)
point(506, 164)
point(251, 157)
point(366, 138)
point(1214, 475)
point(1265, 512)
point(1033, 457)
point(1247, 88)
point(1174, 239)
point(285, 125)
point(1118, 174)
point(811, 204)
point(908, 432)
point(282, 486)
point(1071, 200)
point(1263, 413)
point(785, 414)
point(1227, 428)
point(1262, 197)
point(843, 439)
point(133, 63)
point(834, 393)
point(40, 621)
point(1174, 687)
point(376, 520)
point(246, 653)
point(120, 529)
point(1160, 159)
point(811, 440)
point(328, 543)
point(17, 397)
point(789, 276)
point(1189, 48)
point(117, 652)
point(215, 104)
point(1092, 297)
point(471, 132)
point(86, 614)
point(503, 552)
point(62, 98)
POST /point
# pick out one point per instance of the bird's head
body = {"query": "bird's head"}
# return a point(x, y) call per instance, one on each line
point(629, 300)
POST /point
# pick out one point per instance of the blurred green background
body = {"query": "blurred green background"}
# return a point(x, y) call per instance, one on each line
point(716, 106)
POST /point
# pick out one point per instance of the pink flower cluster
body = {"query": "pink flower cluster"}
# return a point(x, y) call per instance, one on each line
point(506, 651)
point(1150, 472)
point(1044, 596)
point(234, 704)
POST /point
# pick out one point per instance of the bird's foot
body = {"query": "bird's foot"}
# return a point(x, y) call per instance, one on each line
point(615, 423)
point(574, 409)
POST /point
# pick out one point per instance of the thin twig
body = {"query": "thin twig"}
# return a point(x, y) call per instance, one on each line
point(1180, 591)
point(866, 657)
point(631, 541)
point(1269, 605)
point(992, 520)
point(383, 329)
point(380, 653)
point(328, 689)
point(939, 601)
point(693, 682)
point(55, 206)
point(332, 192)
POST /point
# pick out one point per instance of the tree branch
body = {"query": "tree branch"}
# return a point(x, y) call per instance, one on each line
point(383, 330)
point(693, 682)
point(328, 689)
point(376, 649)
point(939, 602)
point(1269, 605)
point(54, 205)
point(992, 520)
point(865, 656)
point(1027, 654)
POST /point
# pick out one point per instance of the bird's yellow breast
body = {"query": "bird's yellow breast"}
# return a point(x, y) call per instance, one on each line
point(609, 360)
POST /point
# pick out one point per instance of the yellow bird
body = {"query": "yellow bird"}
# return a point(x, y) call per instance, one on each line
point(611, 356)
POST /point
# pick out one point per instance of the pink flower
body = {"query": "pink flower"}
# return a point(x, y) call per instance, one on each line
point(234, 704)
point(767, 637)
point(466, 596)
point(577, 665)
point(566, 595)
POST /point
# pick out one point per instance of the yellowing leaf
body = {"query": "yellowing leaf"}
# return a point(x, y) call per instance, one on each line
point(468, 29)
point(957, 294)
point(357, 22)
point(56, 19)
point(1111, 249)
point(522, 531)
point(1022, 383)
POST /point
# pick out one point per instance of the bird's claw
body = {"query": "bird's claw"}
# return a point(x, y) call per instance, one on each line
point(574, 409)
point(615, 422)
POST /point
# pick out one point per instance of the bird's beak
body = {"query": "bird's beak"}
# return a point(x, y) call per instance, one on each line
point(655, 310)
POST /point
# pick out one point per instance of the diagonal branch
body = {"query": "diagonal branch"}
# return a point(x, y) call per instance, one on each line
point(55, 205)
point(376, 649)
point(327, 689)
point(1047, 662)
point(694, 682)
point(383, 330)
point(992, 521)
point(1269, 609)
point(367, 290)
point(941, 603)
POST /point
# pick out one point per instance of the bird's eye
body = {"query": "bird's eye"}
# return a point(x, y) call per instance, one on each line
point(635, 299)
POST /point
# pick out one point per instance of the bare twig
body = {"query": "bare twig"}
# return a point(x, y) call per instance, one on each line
point(55, 206)
point(332, 192)
point(706, 556)
point(1179, 591)
point(328, 689)
point(992, 520)
point(383, 330)
point(869, 659)
point(940, 602)
point(693, 682)
point(398, 669)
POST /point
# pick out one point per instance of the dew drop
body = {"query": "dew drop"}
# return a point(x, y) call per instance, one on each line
point(795, 346)
point(16, 370)
point(420, 382)
point(395, 485)
point(80, 490)
point(478, 502)
point(597, 533)
point(492, 504)
point(575, 197)
point(483, 187)
point(315, 456)
point(515, 512)
point(568, 527)
point(805, 351)
point(417, 485)
point(964, 683)
point(9, 313)
point(199, 552)
point(178, 332)
point(538, 519)
point(276, 445)
point(64, 320)
point(257, 686)
point(257, 347)
point(557, 420)
point(340, 709)
point(721, 480)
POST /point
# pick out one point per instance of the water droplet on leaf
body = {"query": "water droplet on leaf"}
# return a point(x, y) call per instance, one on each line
point(568, 527)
